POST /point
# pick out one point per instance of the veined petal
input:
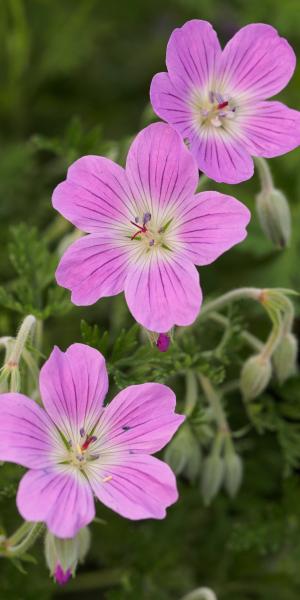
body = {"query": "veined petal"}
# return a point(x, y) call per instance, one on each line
point(73, 386)
point(93, 268)
point(212, 224)
point(269, 128)
point(163, 291)
point(141, 418)
point(256, 63)
point(221, 156)
point(95, 196)
point(136, 486)
point(161, 171)
point(27, 435)
point(192, 53)
point(60, 497)
point(170, 104)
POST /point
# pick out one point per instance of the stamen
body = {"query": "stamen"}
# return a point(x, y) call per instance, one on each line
point(222, 105)
point(88, 441)
point(146, 218)
point(108, 478)
point(82, 432)
point(151, 243)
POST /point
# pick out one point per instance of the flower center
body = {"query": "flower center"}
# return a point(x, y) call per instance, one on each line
point(216, 110)
point(149, 234)
point(82, 452)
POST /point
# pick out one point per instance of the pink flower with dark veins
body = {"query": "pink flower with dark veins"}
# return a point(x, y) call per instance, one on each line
point(217, 99)
point(147, 229)
point(77, 449)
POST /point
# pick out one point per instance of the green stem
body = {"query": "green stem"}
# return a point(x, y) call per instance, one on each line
point(214, 400)
point(21, 339)
point(233, 295)
point(191, 392)
point(33, 533)
point(250, 339)
point(265, 175)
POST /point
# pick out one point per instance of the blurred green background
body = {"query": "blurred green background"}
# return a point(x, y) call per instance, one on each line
point(75, 78)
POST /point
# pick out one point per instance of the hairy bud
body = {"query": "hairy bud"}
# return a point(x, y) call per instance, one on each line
point(255, 376)
point(183, 454)
point(202, 593)
point(285, 357)
point(63, 555)
point(274, 216)
point(212, 477)
point(233, 473)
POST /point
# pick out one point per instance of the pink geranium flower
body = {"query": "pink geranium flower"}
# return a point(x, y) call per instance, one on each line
point(147, 229)
point(216, 99)
point(76, 449)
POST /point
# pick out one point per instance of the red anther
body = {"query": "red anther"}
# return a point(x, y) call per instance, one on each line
point(87, 442)
point(222, 105)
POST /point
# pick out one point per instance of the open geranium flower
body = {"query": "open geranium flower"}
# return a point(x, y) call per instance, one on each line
point(216, 99)
point(76, 449)
point(147, 229)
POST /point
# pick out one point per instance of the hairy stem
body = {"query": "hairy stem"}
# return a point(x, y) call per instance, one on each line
point(233, 295)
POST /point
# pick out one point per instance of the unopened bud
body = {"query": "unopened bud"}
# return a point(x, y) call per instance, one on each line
point(274, 216)
point(212, 477)
point(255, 376)
point(10, 378)
point(63, 555)
point(202, 593)
point(163, 342)
point(183, 454)
point(233, 473)
point(285, 357)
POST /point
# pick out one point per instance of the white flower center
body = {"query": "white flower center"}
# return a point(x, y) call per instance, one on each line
point(145, 231)
point(214, 110)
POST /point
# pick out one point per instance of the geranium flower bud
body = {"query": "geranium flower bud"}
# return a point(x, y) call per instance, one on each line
point(163, 342)
point(63, 555)
point(202, 593)
point(183, 454)
point(285, 357)
point(255, 376)
point(212, 477)
point(274, 216)
point(233, 473)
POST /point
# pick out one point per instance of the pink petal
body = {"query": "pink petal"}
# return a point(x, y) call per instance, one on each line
point(221, 157)
point(27, 435)
point(62, 498)
point(212, 224)
point(93, 268)
point(270, 128)
point(163, 291)
point(141, 487)
point(170, 104)
point(160, 169)
point(256, 63)
point(192, 53)
point(141, 418)
point(73, 386)
point(95, 197)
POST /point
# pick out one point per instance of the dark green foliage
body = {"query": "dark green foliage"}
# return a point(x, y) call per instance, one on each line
point(33, 291)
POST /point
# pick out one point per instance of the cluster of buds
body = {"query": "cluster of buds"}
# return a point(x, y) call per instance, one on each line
point(279, 354)
point(223, 467)
point(63, 555)
point(184, 454)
